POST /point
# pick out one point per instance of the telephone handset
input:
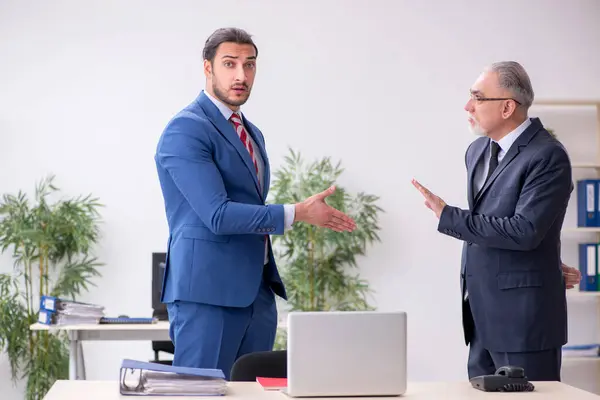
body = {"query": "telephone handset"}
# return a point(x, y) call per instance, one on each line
point(506, 379)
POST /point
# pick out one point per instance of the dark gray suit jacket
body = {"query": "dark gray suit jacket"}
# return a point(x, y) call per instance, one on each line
point(511, 263)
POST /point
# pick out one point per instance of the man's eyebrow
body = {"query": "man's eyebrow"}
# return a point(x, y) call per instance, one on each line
point(476, 92)
point(236, 57)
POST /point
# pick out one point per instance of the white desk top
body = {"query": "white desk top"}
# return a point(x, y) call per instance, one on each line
point(109, 390)
point(158, 326)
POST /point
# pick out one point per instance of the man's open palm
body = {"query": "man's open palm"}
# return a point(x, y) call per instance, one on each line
point(315, 211)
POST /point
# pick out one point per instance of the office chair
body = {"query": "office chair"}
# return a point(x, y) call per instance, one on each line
point(271, 364)
point(165, 346)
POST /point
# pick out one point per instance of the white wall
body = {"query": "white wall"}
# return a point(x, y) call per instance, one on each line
point(86, 88)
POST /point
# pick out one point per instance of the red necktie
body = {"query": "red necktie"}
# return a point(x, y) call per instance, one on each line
point(241, 131)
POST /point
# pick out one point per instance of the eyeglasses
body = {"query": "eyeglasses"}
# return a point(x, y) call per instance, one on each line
point(480, 99)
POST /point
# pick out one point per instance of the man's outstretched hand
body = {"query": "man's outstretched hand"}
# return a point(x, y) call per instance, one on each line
point(316, 211)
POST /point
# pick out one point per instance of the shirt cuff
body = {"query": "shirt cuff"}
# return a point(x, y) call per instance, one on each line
point(289, 215)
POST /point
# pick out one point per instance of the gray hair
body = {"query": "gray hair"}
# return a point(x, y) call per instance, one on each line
point(222, 35)
point(513, 77)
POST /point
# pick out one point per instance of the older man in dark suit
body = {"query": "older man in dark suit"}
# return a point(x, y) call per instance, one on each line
point(519, 184)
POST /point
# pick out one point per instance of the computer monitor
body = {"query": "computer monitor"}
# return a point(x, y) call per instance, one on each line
point(159, 308)
point(346, 353)
point(158, 273)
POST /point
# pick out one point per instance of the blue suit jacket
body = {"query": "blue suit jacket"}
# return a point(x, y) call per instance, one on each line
point(511, 260)
point(217, 217)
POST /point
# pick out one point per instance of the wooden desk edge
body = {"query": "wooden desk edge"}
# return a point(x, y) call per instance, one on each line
point(250, 390)
point(160, 325)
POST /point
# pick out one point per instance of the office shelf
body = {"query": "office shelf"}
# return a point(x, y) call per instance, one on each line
point(591, 168)
point(567, 102)
point(577, 293)
point(581, 229)
point(586, 165)
point(580, 359)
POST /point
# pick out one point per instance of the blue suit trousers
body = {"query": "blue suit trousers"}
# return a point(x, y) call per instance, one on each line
point(208, 336)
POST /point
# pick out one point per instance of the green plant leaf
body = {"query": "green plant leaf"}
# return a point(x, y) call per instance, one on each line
point(318, 265)
point(47, 238)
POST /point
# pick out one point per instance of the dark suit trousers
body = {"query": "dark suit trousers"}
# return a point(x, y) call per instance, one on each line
point(538, 365)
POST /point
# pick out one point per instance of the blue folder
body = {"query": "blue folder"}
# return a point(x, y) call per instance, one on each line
point(588, 266)
point(140, 378)
point(587, 203)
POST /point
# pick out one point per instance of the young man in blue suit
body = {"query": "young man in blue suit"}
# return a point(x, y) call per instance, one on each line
point(519, 184)
point(214, 173)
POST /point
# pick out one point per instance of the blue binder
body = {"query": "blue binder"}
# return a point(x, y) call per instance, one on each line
point(588, 266)
point(46, 317)
point(587, 203)
point(139, 378)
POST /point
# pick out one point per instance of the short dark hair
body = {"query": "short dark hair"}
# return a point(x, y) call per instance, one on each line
point(222, 35)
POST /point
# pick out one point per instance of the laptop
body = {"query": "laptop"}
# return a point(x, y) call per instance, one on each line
point(346, 353)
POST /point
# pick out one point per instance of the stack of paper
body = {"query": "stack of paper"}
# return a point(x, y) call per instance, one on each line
point(55, 311)
point(144, 378)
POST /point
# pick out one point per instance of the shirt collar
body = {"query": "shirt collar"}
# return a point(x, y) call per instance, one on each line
point(509, 139)
point(225, 111)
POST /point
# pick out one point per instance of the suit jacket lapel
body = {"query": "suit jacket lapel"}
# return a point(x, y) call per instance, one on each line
point(472, 168)
point(228, 131)
point(514, 150)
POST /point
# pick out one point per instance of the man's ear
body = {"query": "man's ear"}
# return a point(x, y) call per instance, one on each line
point(207, 69)
point(508, 109)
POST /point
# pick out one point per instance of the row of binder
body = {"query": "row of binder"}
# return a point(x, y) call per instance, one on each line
point(588, 203)
point(588, 266)
point(56, 311)
point(139, 378)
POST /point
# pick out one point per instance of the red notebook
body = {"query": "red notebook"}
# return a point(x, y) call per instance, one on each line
point(272, 383)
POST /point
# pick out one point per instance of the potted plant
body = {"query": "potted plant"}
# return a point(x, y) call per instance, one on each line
point(317, 264)
point(51, 243)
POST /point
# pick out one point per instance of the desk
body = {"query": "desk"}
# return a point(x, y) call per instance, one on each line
point(78, 333)
point(109, 390)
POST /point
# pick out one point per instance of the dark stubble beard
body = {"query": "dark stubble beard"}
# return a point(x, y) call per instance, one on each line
point(223, 96)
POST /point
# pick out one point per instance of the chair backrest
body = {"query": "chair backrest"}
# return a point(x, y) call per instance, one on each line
point(271, 364)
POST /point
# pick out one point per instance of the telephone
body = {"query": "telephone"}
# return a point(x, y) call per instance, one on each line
point(506, 379)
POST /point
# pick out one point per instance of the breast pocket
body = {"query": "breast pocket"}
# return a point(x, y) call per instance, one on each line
point(511, 191)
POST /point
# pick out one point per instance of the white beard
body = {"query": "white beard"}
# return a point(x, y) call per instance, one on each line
point(475, 128)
